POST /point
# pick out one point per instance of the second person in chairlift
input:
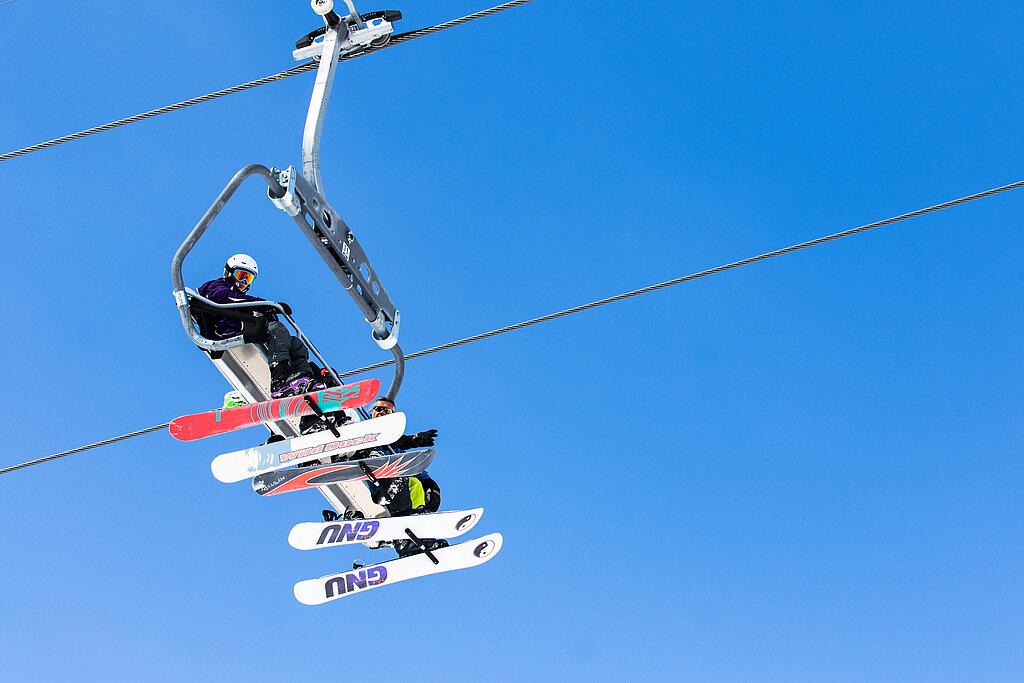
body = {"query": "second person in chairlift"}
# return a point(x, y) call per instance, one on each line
point(290, 372)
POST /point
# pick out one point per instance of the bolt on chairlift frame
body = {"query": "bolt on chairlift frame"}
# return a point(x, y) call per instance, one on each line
point(245, 365)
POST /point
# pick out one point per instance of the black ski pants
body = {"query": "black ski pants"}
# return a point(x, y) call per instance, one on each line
point(281, 345)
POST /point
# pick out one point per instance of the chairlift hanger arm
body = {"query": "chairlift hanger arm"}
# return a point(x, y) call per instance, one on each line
point(340, 36)
point(341, 251)
point(303, 201)
point(304, 197)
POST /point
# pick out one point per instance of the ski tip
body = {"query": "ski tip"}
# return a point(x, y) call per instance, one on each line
point(222, 470)
point(308, 592)
point(178, 431)
point(465, 520)
point(486, 547)
point(298, 533)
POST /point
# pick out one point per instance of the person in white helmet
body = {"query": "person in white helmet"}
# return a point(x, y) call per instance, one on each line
point(290, 372)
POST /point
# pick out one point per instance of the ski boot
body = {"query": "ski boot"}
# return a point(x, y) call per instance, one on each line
point(314, 423)
point(297, 383)
point(408, 547)
point(311, 423)
point(233, 399)
point(278, 378)
point(284, 382)
point(332, 516)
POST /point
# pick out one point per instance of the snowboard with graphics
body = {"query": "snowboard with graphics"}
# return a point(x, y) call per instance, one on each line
point(313, 535)
point(460, 556)
point(202, 425)
point(381, 467)
point(239, 465)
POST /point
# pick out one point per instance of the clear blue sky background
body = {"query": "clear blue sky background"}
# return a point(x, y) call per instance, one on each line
point(807, 469)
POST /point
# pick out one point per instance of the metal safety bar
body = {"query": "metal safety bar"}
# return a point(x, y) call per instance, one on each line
point(356, 289)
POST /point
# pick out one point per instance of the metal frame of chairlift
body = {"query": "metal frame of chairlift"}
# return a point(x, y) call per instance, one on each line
point(244, 365)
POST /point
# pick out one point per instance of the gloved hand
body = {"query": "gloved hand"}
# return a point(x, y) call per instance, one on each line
point(425, 439)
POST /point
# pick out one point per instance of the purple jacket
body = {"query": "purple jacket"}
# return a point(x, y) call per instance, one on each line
point(223, 291)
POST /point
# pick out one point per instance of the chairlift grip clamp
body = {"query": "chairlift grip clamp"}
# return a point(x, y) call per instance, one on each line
point(287, 202)
point(388, 342)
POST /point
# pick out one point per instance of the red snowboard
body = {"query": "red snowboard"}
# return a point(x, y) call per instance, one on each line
point(202, 425)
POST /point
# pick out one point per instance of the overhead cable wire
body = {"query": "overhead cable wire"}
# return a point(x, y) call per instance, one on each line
point(105, 442)
point(287, 73)
point(694, 276)
point(595, 304)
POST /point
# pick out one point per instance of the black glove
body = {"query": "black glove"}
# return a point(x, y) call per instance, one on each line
point(286, 307)
point(421, 440)
point(425, 439)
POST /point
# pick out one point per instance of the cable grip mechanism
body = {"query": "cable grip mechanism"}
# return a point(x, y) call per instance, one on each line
point(385, 339)
point(358, 32)
point(287, 202)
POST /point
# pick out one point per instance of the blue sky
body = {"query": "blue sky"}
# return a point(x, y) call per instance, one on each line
point(805, 469)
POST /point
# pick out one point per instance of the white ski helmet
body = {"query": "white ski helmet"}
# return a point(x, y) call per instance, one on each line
point(243, 261)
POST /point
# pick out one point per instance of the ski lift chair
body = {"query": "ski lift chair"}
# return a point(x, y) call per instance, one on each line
point(243, 362)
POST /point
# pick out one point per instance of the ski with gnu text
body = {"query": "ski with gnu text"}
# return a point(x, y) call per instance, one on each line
point(313, 535)
point(361, 579)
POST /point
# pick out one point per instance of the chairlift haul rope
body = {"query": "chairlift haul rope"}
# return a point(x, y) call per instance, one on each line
point(287, 73)
point(594, 304)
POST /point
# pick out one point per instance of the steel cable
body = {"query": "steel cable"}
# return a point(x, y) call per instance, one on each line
point(105, 442)
point(694, 276)
point(595, 304)
point(288, 73)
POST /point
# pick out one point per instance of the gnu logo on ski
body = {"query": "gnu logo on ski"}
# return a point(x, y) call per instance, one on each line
point(349, 532)
point(446, 559)
point(353, 581)
point(315, 535)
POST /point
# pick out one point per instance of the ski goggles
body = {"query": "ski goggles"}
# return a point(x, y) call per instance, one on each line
point(385, 410)
point(243, 276)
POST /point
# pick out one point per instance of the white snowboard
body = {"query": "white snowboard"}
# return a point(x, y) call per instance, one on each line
point(239, 465)
point(461, 556)
point(312, 535)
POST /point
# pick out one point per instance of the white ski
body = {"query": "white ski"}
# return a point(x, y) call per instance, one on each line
point(461, 556)
point(312, 535)
point(239, 465)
